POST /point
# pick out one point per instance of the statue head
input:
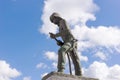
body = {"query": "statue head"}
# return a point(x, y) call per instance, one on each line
point(55, 18)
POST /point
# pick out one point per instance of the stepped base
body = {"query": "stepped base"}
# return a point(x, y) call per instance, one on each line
point(60, 76)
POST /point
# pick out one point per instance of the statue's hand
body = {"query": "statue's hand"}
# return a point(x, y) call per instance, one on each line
point(52, 35)
point(59, 43)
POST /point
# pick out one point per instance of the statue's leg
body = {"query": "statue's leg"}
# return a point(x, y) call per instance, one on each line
point(61, 56)
point(76, 62)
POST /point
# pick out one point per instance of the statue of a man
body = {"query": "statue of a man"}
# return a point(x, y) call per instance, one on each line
point(69, 46)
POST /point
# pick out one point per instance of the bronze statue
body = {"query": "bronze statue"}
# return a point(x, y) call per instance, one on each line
point(69, 44)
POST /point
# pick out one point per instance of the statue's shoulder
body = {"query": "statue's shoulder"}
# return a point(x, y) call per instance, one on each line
point(63, 21)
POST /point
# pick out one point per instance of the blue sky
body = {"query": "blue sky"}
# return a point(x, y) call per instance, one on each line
point(26, 46)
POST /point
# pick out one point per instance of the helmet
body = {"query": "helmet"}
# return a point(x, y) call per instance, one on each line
point(54, 15)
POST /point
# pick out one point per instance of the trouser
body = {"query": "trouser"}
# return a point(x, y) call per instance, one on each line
point(74, 56)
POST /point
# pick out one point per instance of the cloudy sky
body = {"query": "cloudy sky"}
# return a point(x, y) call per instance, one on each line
point(28, 53)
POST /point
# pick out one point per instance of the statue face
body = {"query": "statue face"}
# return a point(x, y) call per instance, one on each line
point(56, 20)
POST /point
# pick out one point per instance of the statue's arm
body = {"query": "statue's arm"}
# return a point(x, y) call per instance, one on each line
point(57, 35)
point(52, 35)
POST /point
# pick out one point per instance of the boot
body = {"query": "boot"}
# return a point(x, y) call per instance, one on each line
point(61, 70)
point(78, 73)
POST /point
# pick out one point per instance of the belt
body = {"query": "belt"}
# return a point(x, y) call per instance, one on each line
point(74, 40)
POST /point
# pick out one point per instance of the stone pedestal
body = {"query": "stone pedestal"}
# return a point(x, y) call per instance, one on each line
point(60, 76)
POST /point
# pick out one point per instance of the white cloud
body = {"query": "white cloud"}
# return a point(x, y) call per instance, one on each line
point(100, 36)
point(115, 72)
point(103, 71)
point(78, 13)
point(27, 78)
point(41, 65)
point(6, 72)
point(51, 55)
point(101, 55)
point(82, 58)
